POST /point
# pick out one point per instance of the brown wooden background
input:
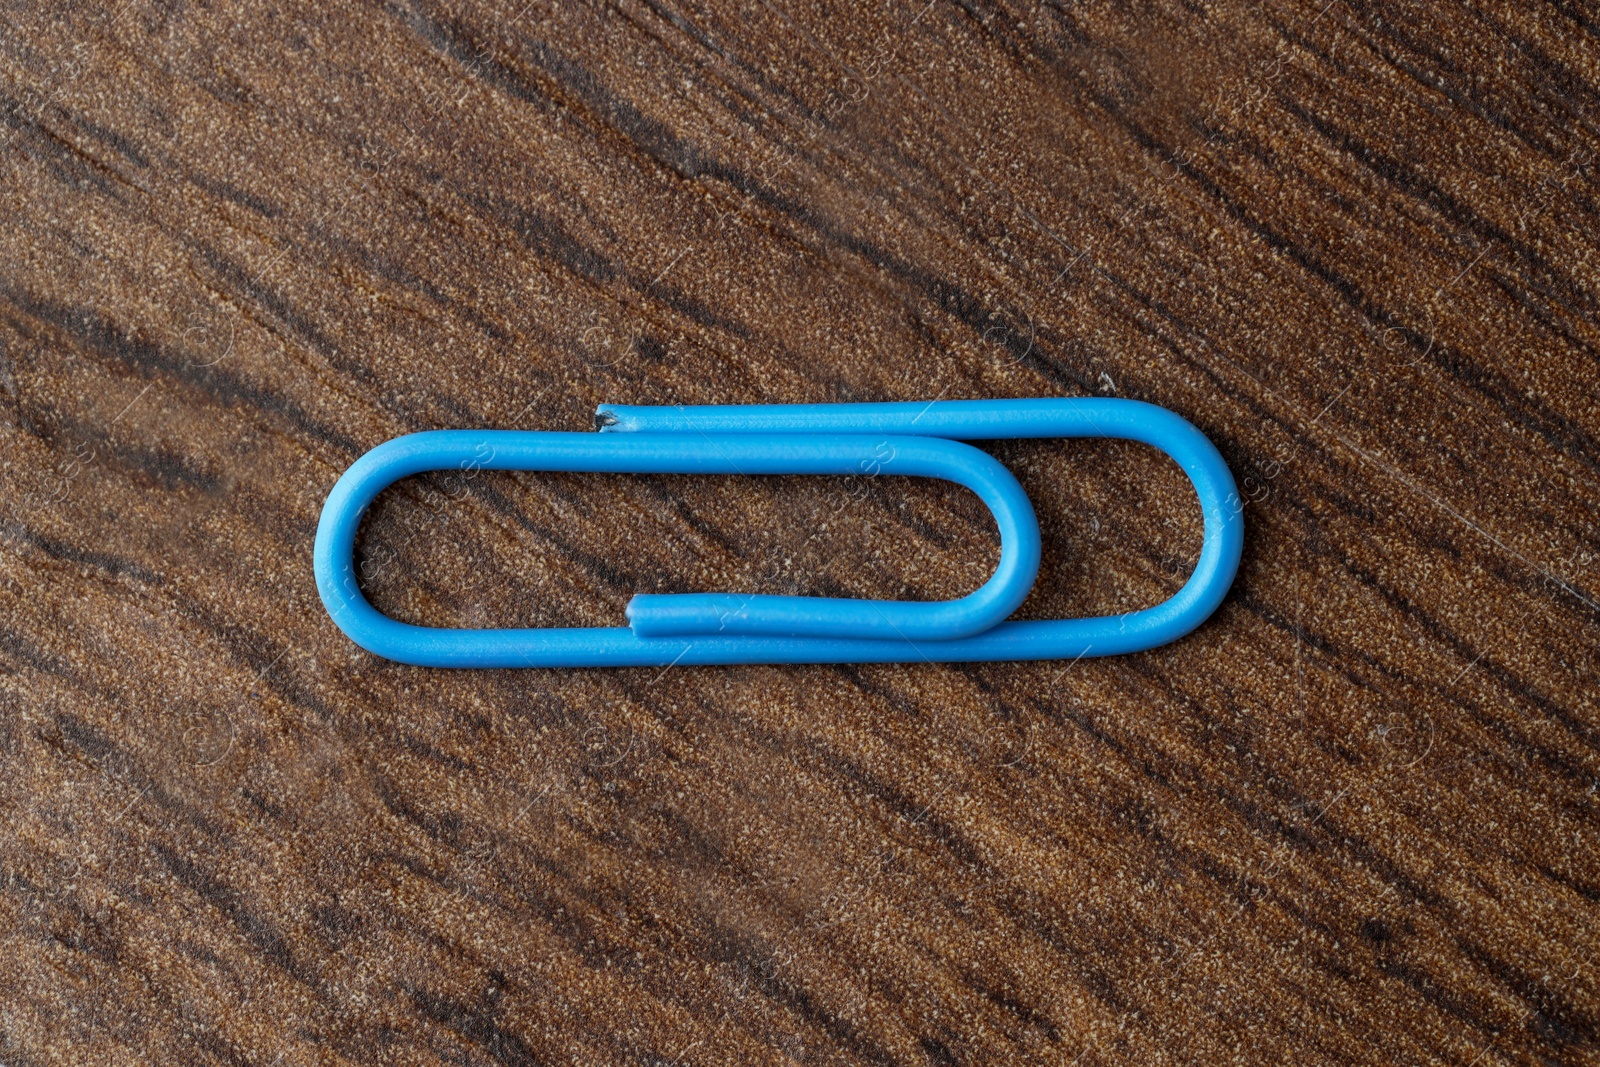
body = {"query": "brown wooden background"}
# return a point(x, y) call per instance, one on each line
point(1354, 819)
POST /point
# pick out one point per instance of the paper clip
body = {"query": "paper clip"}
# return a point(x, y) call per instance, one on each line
point(918, 439)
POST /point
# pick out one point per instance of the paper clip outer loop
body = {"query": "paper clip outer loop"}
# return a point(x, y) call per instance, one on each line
point(727, 614)
point(1222, 511)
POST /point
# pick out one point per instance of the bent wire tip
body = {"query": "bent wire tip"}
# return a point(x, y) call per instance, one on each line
point(917, 439)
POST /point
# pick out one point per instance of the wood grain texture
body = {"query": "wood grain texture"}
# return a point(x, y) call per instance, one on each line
point(1353, 819)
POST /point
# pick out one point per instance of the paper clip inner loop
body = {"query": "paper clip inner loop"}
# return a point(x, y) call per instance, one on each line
point(726, 614)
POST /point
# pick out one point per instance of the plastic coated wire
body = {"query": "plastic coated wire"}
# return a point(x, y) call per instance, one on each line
point(800, 438)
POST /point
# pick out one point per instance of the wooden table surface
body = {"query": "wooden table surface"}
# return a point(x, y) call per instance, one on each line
point(1355, 818)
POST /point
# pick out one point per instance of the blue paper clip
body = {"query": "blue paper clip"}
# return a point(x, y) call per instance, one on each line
point(718, 628)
